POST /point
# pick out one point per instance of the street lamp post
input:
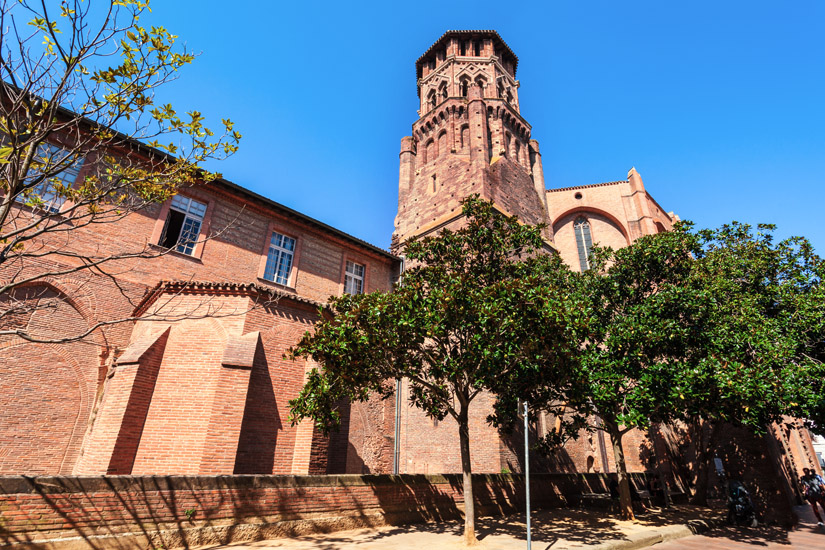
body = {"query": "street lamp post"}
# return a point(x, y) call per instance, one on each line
point(527, 475)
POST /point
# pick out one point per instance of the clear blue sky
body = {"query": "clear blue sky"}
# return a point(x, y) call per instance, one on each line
point(719, 105)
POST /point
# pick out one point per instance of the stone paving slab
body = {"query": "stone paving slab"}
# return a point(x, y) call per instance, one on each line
point(552, 530)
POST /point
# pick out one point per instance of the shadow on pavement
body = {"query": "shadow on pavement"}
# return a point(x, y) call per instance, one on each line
point(578, 527)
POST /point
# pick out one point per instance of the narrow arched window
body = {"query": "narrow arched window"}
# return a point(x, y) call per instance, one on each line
point(465, 138)
point(581, 227)
point(481, 85)
point(443, 148)
point(464, 87)
point(431, 151)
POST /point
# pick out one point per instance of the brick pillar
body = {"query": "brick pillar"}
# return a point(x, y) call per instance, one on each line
point(303, 448)
point(221, 446)
point(497, 130)
point(406, 168)
point(637, 188)
point(479, 139)
point(537, 173)
point(118, 426)
point(302, 454)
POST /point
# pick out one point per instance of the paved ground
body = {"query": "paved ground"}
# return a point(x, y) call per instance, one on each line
point(566, 530)
point(552, 530)
point(806, 536)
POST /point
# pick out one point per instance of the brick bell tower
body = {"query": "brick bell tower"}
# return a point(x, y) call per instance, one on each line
point(469, 138)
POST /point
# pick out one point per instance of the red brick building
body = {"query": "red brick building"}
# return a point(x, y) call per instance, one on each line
point(198, 383)
point(205, 391)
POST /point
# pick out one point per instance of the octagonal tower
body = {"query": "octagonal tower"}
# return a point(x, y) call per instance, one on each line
point(469, 138)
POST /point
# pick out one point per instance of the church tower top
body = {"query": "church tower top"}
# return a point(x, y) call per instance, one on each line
point(470, 138)
point(466, 44)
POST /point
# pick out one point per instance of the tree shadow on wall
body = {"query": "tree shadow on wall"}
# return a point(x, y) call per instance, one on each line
point(542, 459)
point(261, 421)
point(745, 458)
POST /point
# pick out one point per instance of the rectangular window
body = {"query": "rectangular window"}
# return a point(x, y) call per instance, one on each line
point(45, 194)
point(183, 224)
point(354, 278)
point(279, 258)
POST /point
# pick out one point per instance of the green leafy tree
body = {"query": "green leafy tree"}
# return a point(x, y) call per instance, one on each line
point(708, 327)
point(78, 87)
point(482, 309)
point(754, 358)
point(638, 320)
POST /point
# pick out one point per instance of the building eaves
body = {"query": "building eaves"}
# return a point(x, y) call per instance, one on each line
point(469, 32)
point(153, 152)
point(218, 287)
point(605, 184)
point(303, 217)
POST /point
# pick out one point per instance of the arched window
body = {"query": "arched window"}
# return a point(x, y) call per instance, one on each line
point(431, 99)
point(507, 140)
point(517, 156)
point(581, 227)
point(443, 91)
point(442, 144)
point(465, 138)
point(464, 86)
point(482, 84)
point(431, 151)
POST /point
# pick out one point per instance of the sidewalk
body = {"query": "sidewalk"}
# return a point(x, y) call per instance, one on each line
point(806, 536)
point(556, 529)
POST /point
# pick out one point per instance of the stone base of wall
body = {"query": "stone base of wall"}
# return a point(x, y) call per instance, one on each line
point(118, 512)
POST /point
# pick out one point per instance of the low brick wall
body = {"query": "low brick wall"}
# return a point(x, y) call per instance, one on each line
point(64, 513)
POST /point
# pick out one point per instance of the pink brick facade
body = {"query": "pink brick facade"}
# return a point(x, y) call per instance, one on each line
point(201, 389)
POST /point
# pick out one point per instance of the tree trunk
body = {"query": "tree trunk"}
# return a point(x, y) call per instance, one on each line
point(625, 502)
point(467, 474)
point(707, 436)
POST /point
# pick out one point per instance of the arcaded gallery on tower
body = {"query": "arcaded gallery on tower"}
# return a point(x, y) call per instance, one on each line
point(116, 407)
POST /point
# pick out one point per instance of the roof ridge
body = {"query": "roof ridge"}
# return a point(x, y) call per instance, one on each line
point(587, 186)
point(184, 285)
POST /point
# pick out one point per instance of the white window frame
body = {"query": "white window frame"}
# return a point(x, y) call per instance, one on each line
point(584, 241)
point(194, 213)
point(353, 280)
point(279, 259)
point(45, 191)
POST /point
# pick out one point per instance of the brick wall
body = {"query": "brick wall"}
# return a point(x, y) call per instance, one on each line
point(57, 391)
point(107, 512)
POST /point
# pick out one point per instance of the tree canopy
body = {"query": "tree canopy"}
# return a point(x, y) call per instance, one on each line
point(84, 137)
point(480, 309)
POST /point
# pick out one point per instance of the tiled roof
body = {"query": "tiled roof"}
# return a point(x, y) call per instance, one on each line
point(158, 153)
point(303, 217)
point(586, 186)
point(217, 287)
point(469, 32)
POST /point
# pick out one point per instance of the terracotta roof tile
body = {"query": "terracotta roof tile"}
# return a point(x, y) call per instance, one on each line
point(217, 287)
point(586, 186)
